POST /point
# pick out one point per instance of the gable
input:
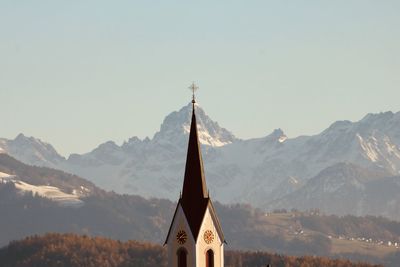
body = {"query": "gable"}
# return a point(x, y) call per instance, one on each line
point(215, 219)
point(178, 221)
point(210, 222)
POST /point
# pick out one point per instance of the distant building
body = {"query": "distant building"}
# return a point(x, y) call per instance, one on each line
point(195, 237)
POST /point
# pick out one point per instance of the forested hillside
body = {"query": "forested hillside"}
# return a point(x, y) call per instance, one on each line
point(73, 250)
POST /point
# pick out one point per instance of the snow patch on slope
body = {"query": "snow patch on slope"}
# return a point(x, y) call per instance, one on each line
point(205, 137)
point(50, 192)
point(369, 148)
point(282, 139)
point(4, 175)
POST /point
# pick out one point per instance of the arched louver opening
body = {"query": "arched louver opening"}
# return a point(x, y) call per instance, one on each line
point(182, 257)
point(210, 258)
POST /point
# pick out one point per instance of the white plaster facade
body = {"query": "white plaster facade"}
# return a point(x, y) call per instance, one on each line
point(196, 251)
point(217, 245)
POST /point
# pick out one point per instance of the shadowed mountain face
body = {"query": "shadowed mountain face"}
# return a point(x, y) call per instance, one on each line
point(347, 189)
point(258, 171)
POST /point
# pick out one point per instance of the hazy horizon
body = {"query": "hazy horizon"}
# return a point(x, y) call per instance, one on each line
point(77, 74)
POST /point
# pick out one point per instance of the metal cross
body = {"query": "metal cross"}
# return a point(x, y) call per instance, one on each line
point(193, 88)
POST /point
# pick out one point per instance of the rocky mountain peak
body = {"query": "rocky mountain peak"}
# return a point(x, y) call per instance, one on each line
point(370, 117)
point(23, 139)
point(32, 150)
point(278, 135)
point(20, 137)
point(176, 127)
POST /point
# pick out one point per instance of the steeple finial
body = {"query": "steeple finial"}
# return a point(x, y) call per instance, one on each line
point(193, 87)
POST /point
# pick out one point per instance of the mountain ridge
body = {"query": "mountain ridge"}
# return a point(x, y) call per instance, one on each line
point(257, 171)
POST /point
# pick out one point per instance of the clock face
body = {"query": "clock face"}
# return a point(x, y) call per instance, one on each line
point(181, 237)
point(208, 236)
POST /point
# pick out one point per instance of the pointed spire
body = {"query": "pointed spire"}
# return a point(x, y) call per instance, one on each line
point(194, 199)
point(194, 184)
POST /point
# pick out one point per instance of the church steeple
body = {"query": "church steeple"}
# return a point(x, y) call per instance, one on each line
point(194, 197)
point(195, 237)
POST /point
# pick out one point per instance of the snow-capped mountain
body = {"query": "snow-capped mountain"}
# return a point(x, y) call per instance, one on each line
point(176, 127)
point(256, 171)
point(31, 150)
point(150, 167)
point(374, 140)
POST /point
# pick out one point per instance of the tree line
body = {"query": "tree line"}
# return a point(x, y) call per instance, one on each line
point(64, 250)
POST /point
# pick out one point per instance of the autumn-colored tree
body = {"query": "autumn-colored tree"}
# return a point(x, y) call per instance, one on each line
point(64, 250)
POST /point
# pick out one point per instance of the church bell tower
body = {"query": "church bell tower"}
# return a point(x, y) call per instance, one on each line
point(195, 237)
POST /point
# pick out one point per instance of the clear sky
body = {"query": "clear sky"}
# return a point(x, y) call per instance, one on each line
point(79, 73)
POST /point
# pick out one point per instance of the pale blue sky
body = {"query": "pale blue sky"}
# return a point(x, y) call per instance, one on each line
point(78, 73)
